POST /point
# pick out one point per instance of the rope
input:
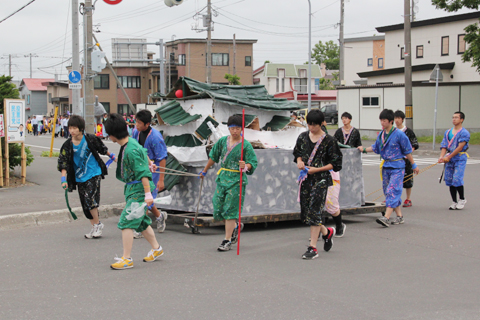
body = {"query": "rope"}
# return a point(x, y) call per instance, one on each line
point(410, 177)
point(68, 205)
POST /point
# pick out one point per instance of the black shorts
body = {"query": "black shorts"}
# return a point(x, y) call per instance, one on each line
point(408, 175)
point(89, 193)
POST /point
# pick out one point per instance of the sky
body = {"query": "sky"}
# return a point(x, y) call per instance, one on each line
point(43, 28)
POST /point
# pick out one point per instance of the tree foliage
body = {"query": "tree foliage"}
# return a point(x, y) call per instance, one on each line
point(472, 32)
point(233, 79)
point(9, 91)
point(328, 53)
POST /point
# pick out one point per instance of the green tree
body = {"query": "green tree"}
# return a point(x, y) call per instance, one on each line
point(472, 32)
point(328, 53)
point(266, 61)
point(9, 91)
point(233, 79)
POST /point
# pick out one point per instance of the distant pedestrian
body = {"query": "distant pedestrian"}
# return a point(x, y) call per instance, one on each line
point(454, 155)
point(65, 126)
point(35, 126)
point(407, 185)
point(316, 153)
point(347, 134)
point(133, 169)
point(80, 165)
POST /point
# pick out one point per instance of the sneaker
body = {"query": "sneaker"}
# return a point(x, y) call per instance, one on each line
point(161, 224)
point(461, 204)
point(328, 239)
point(340, 231)
point(122, 263)
point(453, 206)
point(153, 255)
point(311, 253)
point(407, 203)
point(137, 235)
point(383, 221)
point(398, 220)
point(90, 234)
point(384, 203)
point(97, 232)
point(225, 245)
point(235, 233)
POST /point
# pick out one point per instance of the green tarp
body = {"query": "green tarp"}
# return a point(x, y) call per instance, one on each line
point(255, 96)
point(173, 114)
point(172, 180)
point(277, 123)
point(184, 140)
point(203, 130)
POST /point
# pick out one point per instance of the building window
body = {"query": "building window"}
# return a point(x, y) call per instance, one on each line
point(380, 63)
point(372, 102)
point(28, 99)
point(124, 109)
point(402, 53)
point(130, 82)
point(301, 85)
point(182, 60)
point(278, 85)
point(370, 62)
point(220, 59)
point(445, 44)
point(101, 81)
point(283, 84)
point(419, 52)
point(49, 98)
point(248, 61)
point(461, 44)
point(106, 105)
point(149, 83)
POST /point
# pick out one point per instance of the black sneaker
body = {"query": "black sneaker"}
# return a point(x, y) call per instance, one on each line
point(311, 253)
point(235, 233)
point(328, 239)
point(225, 245)
point(340, 231)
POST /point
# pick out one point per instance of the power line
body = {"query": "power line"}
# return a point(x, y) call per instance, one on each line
point(32, 1)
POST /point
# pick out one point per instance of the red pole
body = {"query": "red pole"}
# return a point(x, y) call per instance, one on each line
point(241, 178)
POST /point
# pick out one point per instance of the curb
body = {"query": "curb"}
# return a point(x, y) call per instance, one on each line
point(42, 218)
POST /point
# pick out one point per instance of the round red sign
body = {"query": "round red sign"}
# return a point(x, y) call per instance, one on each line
point(113, 1)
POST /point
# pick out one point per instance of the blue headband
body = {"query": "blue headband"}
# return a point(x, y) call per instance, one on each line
point(234, 126)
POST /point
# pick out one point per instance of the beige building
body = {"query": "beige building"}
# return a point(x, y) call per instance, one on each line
point(187, 58)
point(57, 96)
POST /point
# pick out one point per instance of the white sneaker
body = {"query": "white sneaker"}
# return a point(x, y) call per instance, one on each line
point(137, 235)
point(453, 206)
point(90, 234)
point(461, 204)
point(161, 224)
point(97, 232)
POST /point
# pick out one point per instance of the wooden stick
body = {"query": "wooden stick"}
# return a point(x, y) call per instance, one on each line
point(241, 183)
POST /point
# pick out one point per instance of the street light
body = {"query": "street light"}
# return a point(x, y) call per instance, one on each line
point(171, 3)
point(436, 76)
point(309, 81)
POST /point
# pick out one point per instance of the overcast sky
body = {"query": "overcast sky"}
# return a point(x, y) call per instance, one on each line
point(280, 26)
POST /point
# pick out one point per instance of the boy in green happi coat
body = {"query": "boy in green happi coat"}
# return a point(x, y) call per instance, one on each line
point(226, 201)
point(133, 169)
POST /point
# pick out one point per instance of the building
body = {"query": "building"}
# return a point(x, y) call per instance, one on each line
point(361, 55)
point(319, 98)
point(57, 96)
point(187, 58)
point(434, 41)
point(34, 91)
point(285, 77)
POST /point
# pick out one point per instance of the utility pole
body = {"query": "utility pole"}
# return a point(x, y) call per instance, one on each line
point(309, 74)
point(209, 41)
point(234, 56)
point(76, 108)
point(162, 67)
point(9, 65)
point(408, 66)
point(89, 97)
point(342, 47)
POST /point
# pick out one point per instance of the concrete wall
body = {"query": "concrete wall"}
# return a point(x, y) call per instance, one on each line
point(451, 98)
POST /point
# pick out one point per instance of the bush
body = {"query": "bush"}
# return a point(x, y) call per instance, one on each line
point(47, 154)
point(15, 154)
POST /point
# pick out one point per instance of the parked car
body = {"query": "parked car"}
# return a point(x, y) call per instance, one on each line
point(331, 113)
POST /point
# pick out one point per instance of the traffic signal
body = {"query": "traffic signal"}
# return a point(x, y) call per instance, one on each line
point(98, 63)
point(171, 3)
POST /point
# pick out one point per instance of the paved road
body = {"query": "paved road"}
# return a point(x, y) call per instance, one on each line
point(424, 269)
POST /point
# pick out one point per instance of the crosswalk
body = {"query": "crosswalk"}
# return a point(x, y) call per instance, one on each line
point(374, 160)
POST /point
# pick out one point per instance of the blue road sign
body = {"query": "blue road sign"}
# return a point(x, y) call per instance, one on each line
point(74, 77)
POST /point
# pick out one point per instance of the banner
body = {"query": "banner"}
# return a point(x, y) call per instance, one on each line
point(2, 133)
point(15, 120)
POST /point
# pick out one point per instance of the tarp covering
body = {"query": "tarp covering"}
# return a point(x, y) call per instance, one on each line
point(277, 123)
point(184, 140)
point(255, 96)
point(172, 180)
point(203, 130)
point(173, 114)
